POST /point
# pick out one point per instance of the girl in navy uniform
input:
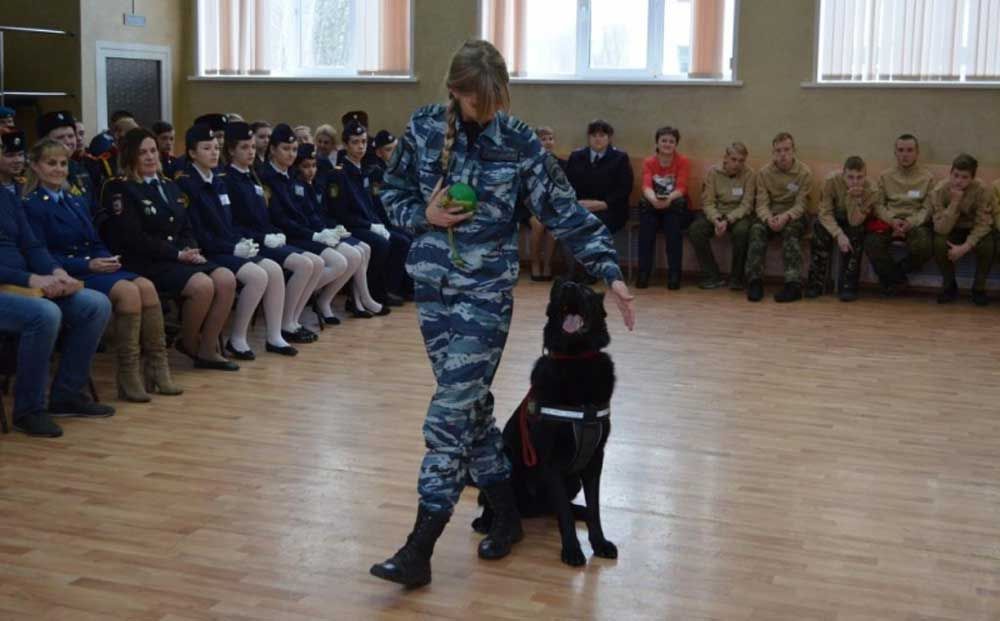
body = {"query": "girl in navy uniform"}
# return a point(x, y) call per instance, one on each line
point(62, 222)
point(212, 221)
point(281, 191)
point(307, 199)
point(148, 225)
point(12, 146)
point(252, 220)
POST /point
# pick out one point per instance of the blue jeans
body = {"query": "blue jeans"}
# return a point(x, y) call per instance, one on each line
point(82, 316)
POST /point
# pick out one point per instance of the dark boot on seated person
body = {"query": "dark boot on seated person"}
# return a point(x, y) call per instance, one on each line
point(814, 291)
point(393, 300)
point(39, 425)
point(849, 294)
point(736, 283)
point(673, 282)
point(505, 530)
point(712, 281)
point(80, 407)
point(791, 292)
point(979, 297)
point(411, 565)
point(948, 294)
point(755, 290)
point(642, 280)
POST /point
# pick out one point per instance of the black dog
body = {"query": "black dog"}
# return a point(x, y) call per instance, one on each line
point(566, 421)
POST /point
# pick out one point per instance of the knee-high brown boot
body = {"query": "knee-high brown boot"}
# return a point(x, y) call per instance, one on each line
point(154, 345)
point(129, 376)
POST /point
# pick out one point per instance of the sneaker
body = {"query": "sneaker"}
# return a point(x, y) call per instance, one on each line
point(80, 408)
point(979, 297)
point(755, 291)
point(712, 282)
point(791, 292)
point(38, 425)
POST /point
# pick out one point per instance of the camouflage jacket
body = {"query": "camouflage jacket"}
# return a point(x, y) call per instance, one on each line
point(505, 164)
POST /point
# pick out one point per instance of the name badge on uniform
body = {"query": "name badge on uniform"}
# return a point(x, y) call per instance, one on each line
point(366, 182)
point(792, 187)
point(224, 199)
point(737, 191)
point(258, 189)
point(913, 194)
point(301, 191)
point(498, 154)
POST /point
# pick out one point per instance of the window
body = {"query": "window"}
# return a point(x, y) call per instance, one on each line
point(945, 41)
point(304, 38)
point(613, 39)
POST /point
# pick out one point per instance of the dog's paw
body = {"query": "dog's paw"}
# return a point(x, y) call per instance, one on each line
point(574, 557)
point(604, 549)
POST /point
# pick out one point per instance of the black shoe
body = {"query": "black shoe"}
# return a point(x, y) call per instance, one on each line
point(948, 295)
point(736, 284)
point(392, 299)
point(179, 346)
point(411, 565)
point(385, 311)
point(755, 290)
point(359, 313)
point(307, 333)
point(848, 294)
point(38, 425)
point(298, 337)
point(240, 355)
point(332, 320)
point(791, 292)
point(979, 298)
point(712, 282)
point(287, 350)
point(814, 291)
point(674, 282)
point(506, 529)
point(216, 365)
point(80, 408)
point(642, 281)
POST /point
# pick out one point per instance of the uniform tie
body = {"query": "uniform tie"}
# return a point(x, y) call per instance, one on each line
point(159, 188)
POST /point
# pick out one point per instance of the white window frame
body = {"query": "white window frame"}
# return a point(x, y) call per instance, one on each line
point(113, 49)
point(816, 82)
point(584, 74)
point(308, 74)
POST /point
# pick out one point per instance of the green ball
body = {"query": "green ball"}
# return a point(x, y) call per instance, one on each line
point(462, 195)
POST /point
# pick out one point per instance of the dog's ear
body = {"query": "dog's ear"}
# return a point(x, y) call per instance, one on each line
point(557, 286)
point(599, 302)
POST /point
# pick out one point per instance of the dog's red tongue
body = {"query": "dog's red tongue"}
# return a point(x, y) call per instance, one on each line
point(572, 324)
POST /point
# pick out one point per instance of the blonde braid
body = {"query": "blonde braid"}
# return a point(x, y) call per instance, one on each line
point(449, 135)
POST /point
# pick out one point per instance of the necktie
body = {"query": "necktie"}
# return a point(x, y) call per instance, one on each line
point(159, 188)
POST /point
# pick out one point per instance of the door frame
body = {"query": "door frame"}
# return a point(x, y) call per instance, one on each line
point(114, 49)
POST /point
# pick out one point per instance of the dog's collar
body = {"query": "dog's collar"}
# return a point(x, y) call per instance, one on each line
point(575, 414)
point(587, 355)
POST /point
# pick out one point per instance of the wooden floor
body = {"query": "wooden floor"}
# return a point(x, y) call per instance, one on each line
point(815, 461)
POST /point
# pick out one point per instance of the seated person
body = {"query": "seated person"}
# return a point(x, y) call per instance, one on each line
point(7, 116)
point(543, 245)
point(847, 201)
point(782, 195)
point(280, 189)
point(664, 205)
point(252, 220)
point(307, 212)
point(61, 222)
point(326, 148)
point(261, 137)
point(12, 147)
point(209, 208)
point(602, 177)
point(351, 204)
point(36, 295)
point(727, 201)
point(303, 134)
point(148, 225)
point(61, 127)
point(81, 141)
point(384, 144)
point(165, 138)
point(962, 213)
point(902, 210)
point(368, 159)
point(101, 160)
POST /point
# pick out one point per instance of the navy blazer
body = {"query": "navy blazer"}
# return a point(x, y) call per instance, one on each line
point(21, 254)
point(251, 217)
point(609, 180)
point(66, 230)
point(282, 204)
point(350, 198)
point(210, 210)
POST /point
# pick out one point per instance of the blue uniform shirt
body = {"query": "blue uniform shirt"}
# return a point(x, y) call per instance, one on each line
point(21, 254)
point(63, 223)
point(250, 210)
point(210, 210)
point(351, 201)
point(506, 162)
point(283, 192)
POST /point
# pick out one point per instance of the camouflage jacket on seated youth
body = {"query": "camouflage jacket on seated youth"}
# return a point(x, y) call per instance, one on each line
point(506, 163)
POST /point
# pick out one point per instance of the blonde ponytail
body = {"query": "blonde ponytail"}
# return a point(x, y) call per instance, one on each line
point(449, 135)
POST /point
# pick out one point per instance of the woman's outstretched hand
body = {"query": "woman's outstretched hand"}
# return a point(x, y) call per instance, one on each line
point(623, 298)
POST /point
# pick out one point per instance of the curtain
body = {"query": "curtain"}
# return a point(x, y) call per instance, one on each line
point(909, 40)
point(505, 27)
point(231, 42)
point(707, 39)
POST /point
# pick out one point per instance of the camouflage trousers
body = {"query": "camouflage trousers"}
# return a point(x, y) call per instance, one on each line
point(464, 333)
point(701, 233)
point(918, 242)
point(983, 250)
point(822, 248)
point(791, 249)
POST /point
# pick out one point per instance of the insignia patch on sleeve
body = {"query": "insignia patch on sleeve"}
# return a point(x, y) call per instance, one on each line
point(334, 190)
point(556, 173)
point(117, 204)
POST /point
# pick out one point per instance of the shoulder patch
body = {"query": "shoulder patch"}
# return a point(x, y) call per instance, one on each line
point(334, 189)
point(117, 204)
point(267, 193)
point(555, 173)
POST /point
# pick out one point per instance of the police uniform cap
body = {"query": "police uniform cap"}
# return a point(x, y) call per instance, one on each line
point(215, 121)
point(382, 138)
point(307, 151)
point(100, 144)
point(13, 141)
point(199, 132)
point(54, 120)
point(353, 128)
point(359, 116)
point(6, 112)
point(282, 133)
point(237, 131)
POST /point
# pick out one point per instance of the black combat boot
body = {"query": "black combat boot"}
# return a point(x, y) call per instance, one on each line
point(791, 292)
point(979, 297)
point(755, 290)
point(506, 528)
point(411, 565)
point(642, 281)
point(949, 293)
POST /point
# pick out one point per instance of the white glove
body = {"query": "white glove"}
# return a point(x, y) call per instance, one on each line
point(254, 248)
point(282, 239)
point(244, 249)
point(321, 236)
point(274, 240)
point(341, 231)
point(381, 230)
